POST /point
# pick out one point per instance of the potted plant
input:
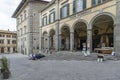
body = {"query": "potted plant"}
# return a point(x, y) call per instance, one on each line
point(5, 68)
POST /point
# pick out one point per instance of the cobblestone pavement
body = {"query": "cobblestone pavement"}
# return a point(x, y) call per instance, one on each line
point(24, 69)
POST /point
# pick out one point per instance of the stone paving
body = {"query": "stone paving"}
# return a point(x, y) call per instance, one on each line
point(24, 69)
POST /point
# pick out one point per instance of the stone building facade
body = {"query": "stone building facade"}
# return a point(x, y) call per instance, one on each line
point(27, 18)
point(8, 41)
point(74, 24)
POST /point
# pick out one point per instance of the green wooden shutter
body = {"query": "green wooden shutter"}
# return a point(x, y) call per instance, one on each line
point(54, 16)
point(74, 6)
point(46, 20)
point(42, 21)
point(68, 10)
point(93, 2)
point(84, 4)
point(60, 12)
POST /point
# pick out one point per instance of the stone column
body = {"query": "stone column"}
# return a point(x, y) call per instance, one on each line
point(42, 43)
point(71, 41)
point(60, 42)
point(89, 40)
point(40, 39)
point(117, 28)
point(30, 30)
point(48, 42)
point(57, 36)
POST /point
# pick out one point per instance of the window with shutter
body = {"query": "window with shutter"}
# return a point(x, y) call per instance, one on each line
point(84, 4)
point(96, 2)
point(52, 17)
point(67, 9)
point(44, 21)
point(93, 2)
point(64, 11)
point(74, 7)
point(79, 5)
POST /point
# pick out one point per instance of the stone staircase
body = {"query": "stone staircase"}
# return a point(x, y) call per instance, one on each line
point(68, 55)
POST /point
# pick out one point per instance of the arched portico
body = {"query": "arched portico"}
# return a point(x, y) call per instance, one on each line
point(80, 35)
point(65, 38)
point(103, 30)
point(52, 38)
point(45, 40)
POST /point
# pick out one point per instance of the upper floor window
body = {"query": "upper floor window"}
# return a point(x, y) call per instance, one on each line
point(21, 31)
point(13, 36)
point(9, 36)
point(21, 16)
point(18, 20)
point(25, 15)
point(44, 21)
point(24, 29)
point(2, 35)
point(13, 41)
point(18, 33)
point(64, 11)
point(52, 17)
point(79, 5)
point(8, 41)
point(2, 41)
point(95, 2)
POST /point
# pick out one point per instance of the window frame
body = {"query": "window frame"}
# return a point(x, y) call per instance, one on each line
point(43, 20)
point(96, 2)
point(67, 12)
point(50, 15)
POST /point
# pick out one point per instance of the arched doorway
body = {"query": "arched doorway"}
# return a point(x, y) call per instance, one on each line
point(45, 40)
point(65, 38)
point(2, 50)
point(52, 39)
point(102, 31)
point(80, 35)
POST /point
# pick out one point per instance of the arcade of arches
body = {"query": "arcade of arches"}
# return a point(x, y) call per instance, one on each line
point(100, 35)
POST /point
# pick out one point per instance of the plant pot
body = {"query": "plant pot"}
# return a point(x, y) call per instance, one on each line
point(6, 75)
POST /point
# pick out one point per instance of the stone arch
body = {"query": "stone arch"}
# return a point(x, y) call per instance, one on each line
point(67, 25)
point(79, 20)
point(80, 34)
point(65, 37)
point(45, 40)
point(99, 14)
point(44, 32)
point(102, 26)
point(52, 38)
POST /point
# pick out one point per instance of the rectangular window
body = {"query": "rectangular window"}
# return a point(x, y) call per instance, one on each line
point(13, 41)
point(21, 16)
point(65, 11)
point(44, 21)
point(21, 31)
point(79, 5)
point(8, 36)
point(25, 15)
point(8, 48)
point(2, 41)
point(52, 17)
point(96, 2)
point(18, 20)
point(8, 41)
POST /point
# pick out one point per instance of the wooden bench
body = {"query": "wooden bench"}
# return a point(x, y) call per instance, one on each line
point(103, 50)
